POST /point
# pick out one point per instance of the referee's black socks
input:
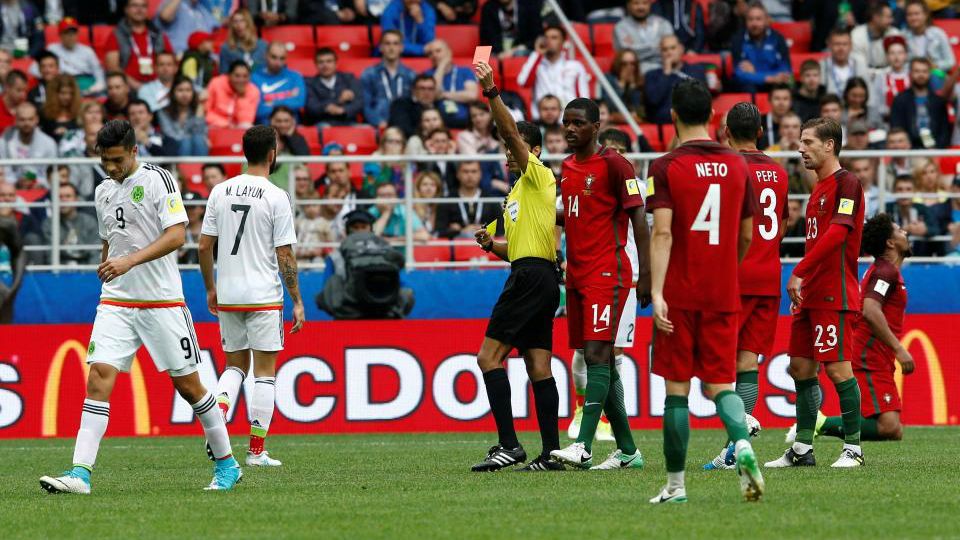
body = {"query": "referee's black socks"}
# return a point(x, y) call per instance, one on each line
point(498, 394)
point(547, 402)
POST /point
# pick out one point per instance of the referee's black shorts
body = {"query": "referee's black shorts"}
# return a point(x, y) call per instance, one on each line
point(523, 316)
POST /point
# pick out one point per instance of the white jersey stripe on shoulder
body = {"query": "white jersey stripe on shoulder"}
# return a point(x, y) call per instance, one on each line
point(164, 175)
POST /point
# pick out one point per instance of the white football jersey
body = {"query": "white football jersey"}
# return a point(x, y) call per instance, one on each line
point(250, 218)
point(132, 215)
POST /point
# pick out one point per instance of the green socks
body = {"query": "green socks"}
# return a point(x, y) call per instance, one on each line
point(617, 414)
point(676, 432)
point(808, 399)
point(849, 393)
point(748, 388)
point(730, 409)
point(598, 386)
point(833, 427)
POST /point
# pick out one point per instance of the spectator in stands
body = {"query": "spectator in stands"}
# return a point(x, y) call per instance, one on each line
point(149, 138)
point(925, 40)
point(439, 142)
point(82, 142)
point(555, 145)
point(6, 64)
point(14, 93)
point(21, 28)
point(549, 112)
point(511, 27)
point(794, 230)
point(480, 137)
point(788, 140)
point(243, 44)
point(195, 206)
point(213, 174)
point(550, 71)
point(416, 20)
point(913, 217)
point(807, 96)
point(180, 18)
point(427, 187)
point(642, 32)
point(118, 95)
point(78, 59)
point(91, 11)
point(866, 170)
point(628, 83)
point(133, 45)
point(182, 124)
point(949, 214)
point(13, 260)
point(280, 85)
point(831, 106)
point(337, 178)
point(273, 12)
point(926, 179)
point(456, 84)
point(59, 113)
point(842, 64)
point(333, 97)
point(73, 143)
point(760, 53)
point(385, 82)
point(405, 112)
point(326, 12)
point(461, 219)
point(374, 174)
point(898, 139)
point(24, 140)
point(921, 111)
point(455, 11)
point(858, 135)
point(289, 143)
point(659, 82)
point(232, 99)
point(781, 102)
point(391, 220)
point(198, 63)
point(304, 188)
point(46, 68)
point(893, 78)
point(157, 92)
point(686, 18)
point(868, 38)
point(76, 229)
point(430, 120)
point(857, 106)
point(314, 225)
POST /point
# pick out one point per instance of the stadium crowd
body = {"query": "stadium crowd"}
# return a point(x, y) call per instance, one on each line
point(394, 77)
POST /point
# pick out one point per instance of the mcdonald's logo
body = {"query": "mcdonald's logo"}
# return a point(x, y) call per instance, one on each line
point(51, 391)
point(938, 390)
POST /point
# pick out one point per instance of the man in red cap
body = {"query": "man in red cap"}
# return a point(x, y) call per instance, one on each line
point(893, 79)
point(78, 59)
point(197, 63)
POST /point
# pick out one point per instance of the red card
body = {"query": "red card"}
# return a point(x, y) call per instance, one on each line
point(482, 54)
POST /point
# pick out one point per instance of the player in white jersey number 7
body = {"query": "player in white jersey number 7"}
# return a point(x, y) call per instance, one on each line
point(142, 225)
point(250, 222)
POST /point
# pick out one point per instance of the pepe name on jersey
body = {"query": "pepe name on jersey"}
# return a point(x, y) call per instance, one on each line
point(244, 190)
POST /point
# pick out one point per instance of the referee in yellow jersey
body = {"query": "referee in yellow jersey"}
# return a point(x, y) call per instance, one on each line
point(523, 316)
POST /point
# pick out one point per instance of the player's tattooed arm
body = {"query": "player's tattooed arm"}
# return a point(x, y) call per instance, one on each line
point(288, 271)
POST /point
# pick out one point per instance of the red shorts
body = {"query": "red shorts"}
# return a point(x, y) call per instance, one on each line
point(703, 344)
point(758, 323)
point(878, 392)
point(822, 335)
point(593, 313)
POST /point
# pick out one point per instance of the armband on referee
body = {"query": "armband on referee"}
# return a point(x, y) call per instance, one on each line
point(560, 257)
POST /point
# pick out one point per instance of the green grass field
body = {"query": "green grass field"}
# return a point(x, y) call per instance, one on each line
point(419, 486)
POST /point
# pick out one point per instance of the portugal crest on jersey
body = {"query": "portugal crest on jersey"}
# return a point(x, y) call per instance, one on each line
point(588, 182)
point(137, 194)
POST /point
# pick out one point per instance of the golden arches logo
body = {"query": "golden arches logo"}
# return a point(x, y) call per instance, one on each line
point(51, 391)
point(938, 390)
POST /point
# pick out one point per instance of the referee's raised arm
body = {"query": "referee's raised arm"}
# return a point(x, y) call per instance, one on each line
point(506, 126)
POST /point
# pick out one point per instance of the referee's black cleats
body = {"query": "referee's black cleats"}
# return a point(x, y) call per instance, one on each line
point(499, 457)
point(542, 464)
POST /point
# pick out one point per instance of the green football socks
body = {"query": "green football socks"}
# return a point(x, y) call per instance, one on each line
point(598, 386)
point(676, 432)
point(849, 393)
point(808, 398)
point(617, 414)
point(748, 388)
point(730, 410)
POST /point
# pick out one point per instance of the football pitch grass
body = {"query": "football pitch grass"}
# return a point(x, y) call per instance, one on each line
point(420, 486)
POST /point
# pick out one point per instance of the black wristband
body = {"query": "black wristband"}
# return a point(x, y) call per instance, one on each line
point(491, 93)
point(488, 248)
point(560, 257)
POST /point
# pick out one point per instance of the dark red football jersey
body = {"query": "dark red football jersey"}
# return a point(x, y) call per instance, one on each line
point(707, 186)
point(833, 285)
point(883, 283)
point(760, 269)
point(596, 194)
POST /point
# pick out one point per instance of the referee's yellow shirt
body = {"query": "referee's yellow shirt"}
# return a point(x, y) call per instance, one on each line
point(531, 215)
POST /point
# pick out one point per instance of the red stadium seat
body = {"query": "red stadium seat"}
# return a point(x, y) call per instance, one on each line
point(705, 6)
point(153, 6)
point(583, 30)
point(304, 66)
point(651, 132)
point(951, 27)
point(219, 38)
point(312, 136)
point(226, 141)
point(470, 252)
point(797, 34)
point(52, 34)
point(797, 60)
point(101, 33)
point(950, 164)
point(762, 101)
point(462, 38)
point(352, 41)
point(723, 102)
point(298, 39)
point(667, 134)
point(510, 70)
point(356, 140)
point(432, 253)
point(419, 65)
point(356, 65)
point(604, 62)
point(192, 173)
point(603, 39)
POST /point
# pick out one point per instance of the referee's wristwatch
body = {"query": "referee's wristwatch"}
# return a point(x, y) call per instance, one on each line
point(491, 93)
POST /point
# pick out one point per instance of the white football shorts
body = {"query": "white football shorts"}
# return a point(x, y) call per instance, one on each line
point(167, 333)
point(628, 322)
point(257, 330)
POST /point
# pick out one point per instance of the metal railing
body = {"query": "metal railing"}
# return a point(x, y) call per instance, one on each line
point(410, 164)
